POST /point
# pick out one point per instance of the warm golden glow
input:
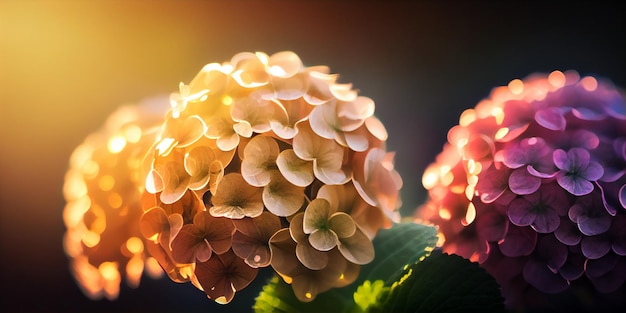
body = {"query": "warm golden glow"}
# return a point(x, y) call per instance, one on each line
point(227, 100)
point(308, 295)
point(106, 182)
point(132, 133)
point(445, 214)
point(467, 117)
point(115, 200)
point(134, 245)
point(109, 270)
point(470, 215)
point(516, 86)
point(116, 144)
point(589, 83)
point(501, 133)
point(556, 79)
point(91, 239)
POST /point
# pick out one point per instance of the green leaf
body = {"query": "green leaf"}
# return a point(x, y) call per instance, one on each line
point(443, 283)
point(402, 244)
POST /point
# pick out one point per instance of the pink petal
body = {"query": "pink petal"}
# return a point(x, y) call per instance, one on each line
point(550, 118)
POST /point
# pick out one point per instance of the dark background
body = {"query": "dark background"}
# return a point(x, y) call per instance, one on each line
point(66, 65)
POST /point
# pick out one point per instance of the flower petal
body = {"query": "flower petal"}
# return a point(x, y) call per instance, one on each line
point(576, 185)
point(342, 224)
point(316, 214)
point(297, 171)
point(323, 239)
point(189, 244)
point(357, 248)
point(522, 182)
point(282, 197)
point(218, 231)
point(520, 212)
point(551, 118)
point(595, 247)
point(518, 241)
point(311, 257)
point(542, 278)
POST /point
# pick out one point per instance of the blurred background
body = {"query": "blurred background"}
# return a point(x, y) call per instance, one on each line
point(66, 65)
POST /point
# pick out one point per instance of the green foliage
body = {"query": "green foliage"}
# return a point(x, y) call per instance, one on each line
point(444, 283)
point(403, 277)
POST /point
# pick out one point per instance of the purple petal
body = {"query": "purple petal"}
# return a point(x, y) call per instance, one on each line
point(521, 212)
point(608, 200)
point(568, 233)
point(491, 226)
point(593, 171)
point(622, 196)
point(611, 281)
point(595, 225)
point(616, 108)
point(611, 174)
point(514, 157)
point(546, 222)
point(578, 159)
point(492, 184)
point(550, 250)
point(522, 182)
point(595, 247)
point(541, 277)
point(518, 241)
point(541, 174)
point(574, 266)
point(601, 266)
point(550, 118)
point(618, 234)
point(559, 157)
point(576, 185)
point(556, 198)
point(587, 114)
point(584, 139)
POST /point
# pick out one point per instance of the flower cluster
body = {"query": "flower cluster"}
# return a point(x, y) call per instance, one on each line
point(261, 162)
point(532, 185)
point(103, 190)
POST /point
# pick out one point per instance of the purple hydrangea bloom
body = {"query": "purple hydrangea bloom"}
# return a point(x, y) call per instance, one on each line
point(532, 185)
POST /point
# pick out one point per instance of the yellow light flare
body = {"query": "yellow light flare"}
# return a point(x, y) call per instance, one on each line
point(134, 269)
point(74, 211)
point(445, 214)
point(501, 133)
point(308, 295)
point(132, 133)
point(106, 182)
point(153, 268)
point(498, 113)
point(470, 215)
point(90, 169)
point(473, 167)
point(109, 270)
point(516, 86)
point(115, 200)
point(134, 245)
point(116, 144)
point(165, 146)
point(430, 178)
point(90, 239)
point(467, 117)
point(589, 83)
point(74, 186)
point(556, 79)
point(227, 100)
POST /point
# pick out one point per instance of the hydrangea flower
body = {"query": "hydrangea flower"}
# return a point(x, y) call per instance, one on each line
point(103, 193)
point(531, 185)
point(263, 162)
